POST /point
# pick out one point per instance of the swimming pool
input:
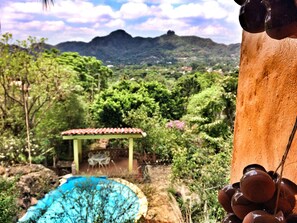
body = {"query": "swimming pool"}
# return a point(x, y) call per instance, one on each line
point(86, 200)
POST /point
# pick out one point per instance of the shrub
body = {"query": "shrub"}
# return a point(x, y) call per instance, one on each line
point(8, 201)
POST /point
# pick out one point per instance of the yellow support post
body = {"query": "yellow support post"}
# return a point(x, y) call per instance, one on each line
point(80, 150)
point(130, 155)
point(76, 143)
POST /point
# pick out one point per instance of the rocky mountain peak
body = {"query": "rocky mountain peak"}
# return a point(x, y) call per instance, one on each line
point(119, 34)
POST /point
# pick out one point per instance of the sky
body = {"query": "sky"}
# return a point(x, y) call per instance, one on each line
point(82, 20)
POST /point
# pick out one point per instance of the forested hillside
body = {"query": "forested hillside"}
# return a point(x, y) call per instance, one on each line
point(120, 47)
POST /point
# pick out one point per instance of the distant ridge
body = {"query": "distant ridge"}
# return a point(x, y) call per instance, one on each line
point(119, 47)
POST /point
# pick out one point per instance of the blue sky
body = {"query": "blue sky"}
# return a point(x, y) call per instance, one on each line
point(82, 20)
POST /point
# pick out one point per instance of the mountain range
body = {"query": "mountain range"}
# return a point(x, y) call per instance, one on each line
point(119, 47)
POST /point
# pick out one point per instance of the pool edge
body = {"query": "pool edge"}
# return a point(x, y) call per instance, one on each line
point(143, 203)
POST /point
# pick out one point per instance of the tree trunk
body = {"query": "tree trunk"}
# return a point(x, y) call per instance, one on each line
point(25, 99)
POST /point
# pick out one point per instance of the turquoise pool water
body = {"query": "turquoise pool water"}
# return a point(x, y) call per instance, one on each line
point(86, 200)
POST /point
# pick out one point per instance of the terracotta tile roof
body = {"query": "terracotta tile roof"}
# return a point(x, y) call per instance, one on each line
point(103, 131)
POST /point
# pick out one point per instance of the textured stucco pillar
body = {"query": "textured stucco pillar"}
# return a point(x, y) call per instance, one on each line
point(266, 104)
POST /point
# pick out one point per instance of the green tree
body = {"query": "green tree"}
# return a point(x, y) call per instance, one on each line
point(114, 103)
point(229, 83)
point(167, 101)
point(187, 85)
point(30, 83)
point(211, 111)
point(206, 116)
point(67, 113)
point(206, 80)
point(91, 73)
point(159, 139)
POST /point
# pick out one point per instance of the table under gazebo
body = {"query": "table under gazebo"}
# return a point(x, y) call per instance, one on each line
point(77, 135)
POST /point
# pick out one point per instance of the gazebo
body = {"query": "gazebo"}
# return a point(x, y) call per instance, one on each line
point(77, 135)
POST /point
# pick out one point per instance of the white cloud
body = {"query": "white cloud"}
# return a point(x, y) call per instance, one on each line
point(48, 26)
point(78, 11)
point(184, 11)
point(208, 10)
point(157, 2)
point(72, 34)
point(53, 26)
point(11, 16)
point(117, 23)
point(162, 24)
point(217, 32)
point(204, 31)
point(213, 10)
point(133, 10)
point(13, 11)
point(25, 7)
point(232, 10)
point(75, 11)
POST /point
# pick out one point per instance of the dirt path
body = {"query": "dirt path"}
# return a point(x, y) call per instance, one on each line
point(162, 207)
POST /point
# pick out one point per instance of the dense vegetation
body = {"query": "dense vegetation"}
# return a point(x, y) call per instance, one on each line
point(8, 201)
point(188, 116)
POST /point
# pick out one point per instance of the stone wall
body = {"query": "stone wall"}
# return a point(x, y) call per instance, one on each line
point(266, 104)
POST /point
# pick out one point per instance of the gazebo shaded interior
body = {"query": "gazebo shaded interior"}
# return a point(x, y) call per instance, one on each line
point(77, 135)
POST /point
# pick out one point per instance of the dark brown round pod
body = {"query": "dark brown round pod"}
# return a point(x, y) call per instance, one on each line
point(257, 185)
point(260, 216)
point(281, 18)
point(292, 218)
point(286, 201)
point(231, 218)
point(240, 2)
point(225, 196)
point(254, 166)
point(241, 206)
point(252, 16)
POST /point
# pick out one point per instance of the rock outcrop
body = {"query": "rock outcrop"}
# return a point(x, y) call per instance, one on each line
point(266, 104)
point(33, 181)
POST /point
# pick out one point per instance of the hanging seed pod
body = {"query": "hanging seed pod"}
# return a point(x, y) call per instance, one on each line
point(225, 196)
point(286, 201)
point(252, 16)
point(231, 218)
point(281, 18)
point(291, 185)
point(256, 185)
point(253, 166)
point(241, 206)
point(240, 2)
point(274, 175)
point(263, 217)
point(292, 218)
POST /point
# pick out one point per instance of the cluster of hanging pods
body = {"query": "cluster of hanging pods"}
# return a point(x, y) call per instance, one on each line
point(277, 17)
point(260, 197)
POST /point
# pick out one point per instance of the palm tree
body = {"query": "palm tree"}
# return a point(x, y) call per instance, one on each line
point(47, 3)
